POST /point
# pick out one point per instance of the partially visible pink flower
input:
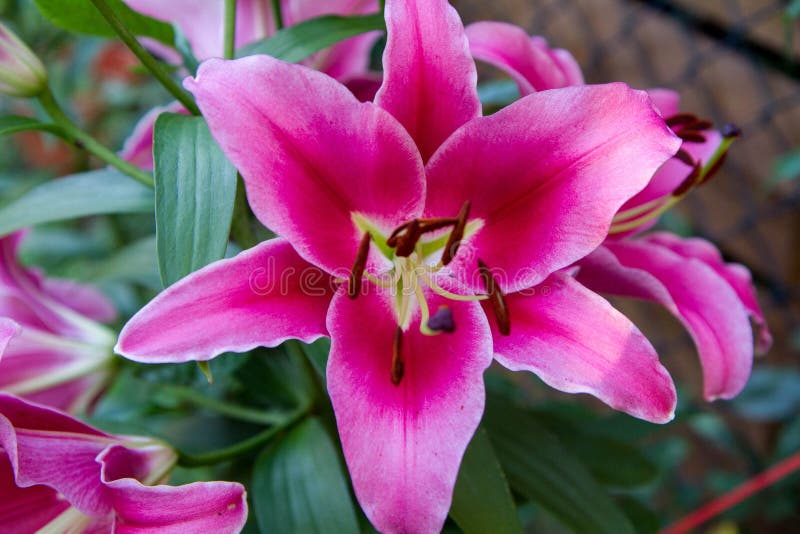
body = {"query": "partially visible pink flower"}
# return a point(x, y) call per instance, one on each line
point(56, 351)
point(60, 475)
point(203, 24)
point(713, 299)
point(370, 201)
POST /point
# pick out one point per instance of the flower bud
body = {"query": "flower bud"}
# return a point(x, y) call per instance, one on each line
point(21, 72)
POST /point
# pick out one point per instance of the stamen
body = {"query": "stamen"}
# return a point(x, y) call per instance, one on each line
point(449, 294)
point(356, 274)
point(691, 136)
point(442, 320)
point(496, 298)
point(715, 167)
point(689, 182)
point(680, 118)
point(431, 225)
point(454, 241)
point(699, 125)
point(398, 368)
point(685, 157)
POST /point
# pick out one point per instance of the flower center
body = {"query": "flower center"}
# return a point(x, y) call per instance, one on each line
point(410, 275)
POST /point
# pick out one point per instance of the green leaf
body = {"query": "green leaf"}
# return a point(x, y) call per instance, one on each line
point(302, 40)
point(482, 502)
point(195, 189)
point(299, 485)
point(10, 124)
point(540, 468)
point(82, 17)
point(612, 462)
point(79, 195)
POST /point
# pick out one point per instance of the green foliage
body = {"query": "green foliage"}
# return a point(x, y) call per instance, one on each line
point(539, 467)
point(80, 195)
point(82, 17)
point(482, 501)
point(299, 485)
point(300, 41)
point(195, 191)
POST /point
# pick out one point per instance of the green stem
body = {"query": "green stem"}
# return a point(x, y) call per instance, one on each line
point(230, 28)
point(144, 56)
point(241, 227)
point(238, 449)
point(382, 5)
point(277, 13)
point(86, 141)
point(234, 411)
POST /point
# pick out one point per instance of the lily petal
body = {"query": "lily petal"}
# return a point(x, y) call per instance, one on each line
point(546, 176)
point(737, 275)
point(529, 61)
point(430, 80)
point(576, 342)
point(50, 448)
point(261, 297)
point(311, 155)
point(404, 466)
point(202, 22)
point(693, 292)
point(8, 330)
point(81, 298)
point(26, 509)
point(666, 101)
point(218, 507)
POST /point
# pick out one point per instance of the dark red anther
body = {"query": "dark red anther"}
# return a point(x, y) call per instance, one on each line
point(685, 157)
point(680, 118)
point(408, 239)
point(496, 299)
point(454, 241)
point(357, 272)
point(714, 168)
point(691, 136)
point(398, 367)
point(689, 182)
point(698, 125)
point(730, 130)
point(442, 320)
point(431, 225)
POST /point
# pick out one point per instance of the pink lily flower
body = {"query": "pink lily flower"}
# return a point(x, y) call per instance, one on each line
point(372, 202)
point(60, 475)
point(53, 349)
point(713, 299)
point(203, 25)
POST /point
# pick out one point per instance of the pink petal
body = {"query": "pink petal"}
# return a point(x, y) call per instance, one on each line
point(26, 509)
point(702, 300)
point(60, 373)
point(674, 172)
point(364, 87)
point(8, 329)
point(261, 297)
point(546, 176)
point(138, 148)
point(530, 62)
point(218, 507)
point(737, 275)
point(311, 155)
point(430, 81)
point(666, 101)
point(50, 448)
point(403, 444)
point(203, 22)
point(82, 298)
point(576, 342)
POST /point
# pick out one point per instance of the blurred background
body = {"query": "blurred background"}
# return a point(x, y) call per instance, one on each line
point(733, 61)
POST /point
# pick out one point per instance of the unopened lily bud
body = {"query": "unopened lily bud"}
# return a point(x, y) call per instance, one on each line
point(21, 72)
